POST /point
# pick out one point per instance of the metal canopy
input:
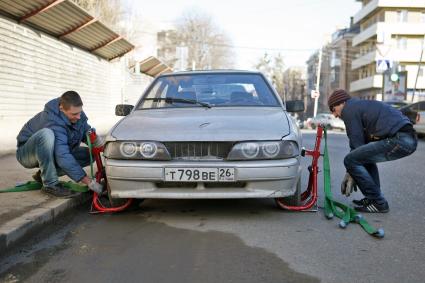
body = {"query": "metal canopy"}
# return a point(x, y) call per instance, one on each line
point(153, 67)
point(68, 22)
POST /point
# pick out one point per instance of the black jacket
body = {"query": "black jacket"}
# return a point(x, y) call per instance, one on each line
point(368, 120)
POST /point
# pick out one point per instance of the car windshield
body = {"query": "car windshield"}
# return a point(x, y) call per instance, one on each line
point(209, 90)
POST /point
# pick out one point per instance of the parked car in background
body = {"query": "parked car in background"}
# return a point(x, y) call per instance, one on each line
point(206, 134)
point(307, 123)
point(329, 120)
point(416, 113)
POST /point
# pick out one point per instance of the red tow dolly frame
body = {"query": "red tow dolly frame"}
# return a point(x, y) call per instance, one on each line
point(309, 197)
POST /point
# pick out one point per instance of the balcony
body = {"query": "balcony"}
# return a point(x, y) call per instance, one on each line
point(375, 4)
point(366, 83)
point(364, 60)
point(411, 54)
point(389, 29)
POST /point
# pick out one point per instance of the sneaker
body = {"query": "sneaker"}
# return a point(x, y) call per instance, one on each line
point(373, 207)
point(58, 190)
point(361, 202)
point(37, 177)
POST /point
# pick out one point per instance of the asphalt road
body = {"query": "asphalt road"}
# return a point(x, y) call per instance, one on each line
point(237, 240)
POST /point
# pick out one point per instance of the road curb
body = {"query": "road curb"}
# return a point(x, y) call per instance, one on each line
point(16, 230)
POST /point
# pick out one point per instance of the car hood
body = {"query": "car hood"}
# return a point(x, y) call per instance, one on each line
point(203, 124)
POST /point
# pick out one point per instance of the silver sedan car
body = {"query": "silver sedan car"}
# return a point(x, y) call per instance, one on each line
point(205, 134)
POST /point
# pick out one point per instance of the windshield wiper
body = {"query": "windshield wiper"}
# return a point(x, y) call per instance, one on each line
point(171, 100)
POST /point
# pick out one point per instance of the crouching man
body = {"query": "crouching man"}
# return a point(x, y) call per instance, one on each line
point(377, 133)
point(51, 141)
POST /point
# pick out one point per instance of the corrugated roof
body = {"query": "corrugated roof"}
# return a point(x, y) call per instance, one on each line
point(152, 66)
point(68, 22)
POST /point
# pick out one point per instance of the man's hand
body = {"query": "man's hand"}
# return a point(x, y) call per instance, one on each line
point(95, 187)
point(348, 185)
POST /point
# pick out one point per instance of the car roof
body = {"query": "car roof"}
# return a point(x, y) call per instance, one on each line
point(203, 72)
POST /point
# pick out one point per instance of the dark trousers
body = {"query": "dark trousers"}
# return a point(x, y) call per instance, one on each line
point(361, 162)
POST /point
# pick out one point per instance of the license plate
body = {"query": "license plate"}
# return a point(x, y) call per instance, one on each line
point(199, 174)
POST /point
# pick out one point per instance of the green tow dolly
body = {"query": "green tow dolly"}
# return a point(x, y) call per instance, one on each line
point(342, 211)
point(33, 186)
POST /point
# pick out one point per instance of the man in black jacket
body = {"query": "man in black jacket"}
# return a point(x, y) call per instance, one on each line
point(377, 133)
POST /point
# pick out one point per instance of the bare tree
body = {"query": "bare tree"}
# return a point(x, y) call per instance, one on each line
point(108, 12)
point(208, 47)
point(273, 68)
point(294, 84)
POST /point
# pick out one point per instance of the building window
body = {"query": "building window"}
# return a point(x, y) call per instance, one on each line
point(421, 72)
point(402, 43)
point(402, 16)
point(423, 17)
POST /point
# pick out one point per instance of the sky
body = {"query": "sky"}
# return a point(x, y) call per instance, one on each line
point(295, 29)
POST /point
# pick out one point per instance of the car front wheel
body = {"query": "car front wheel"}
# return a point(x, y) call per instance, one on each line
point(294, 200)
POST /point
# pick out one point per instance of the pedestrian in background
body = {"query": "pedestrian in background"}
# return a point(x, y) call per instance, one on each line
point(377, 132)
point(51, 141)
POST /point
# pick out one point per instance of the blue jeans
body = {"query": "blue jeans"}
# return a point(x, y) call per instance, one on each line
point(361, 162)
point(38, 151)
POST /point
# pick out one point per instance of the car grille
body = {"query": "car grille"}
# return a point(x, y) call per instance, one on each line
point(198, 150)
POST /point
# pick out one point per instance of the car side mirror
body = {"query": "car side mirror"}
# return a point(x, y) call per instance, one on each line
point(123, 109)
point(295, 106)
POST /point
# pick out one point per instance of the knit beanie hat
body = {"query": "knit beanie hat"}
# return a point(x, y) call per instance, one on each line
point(337, 97)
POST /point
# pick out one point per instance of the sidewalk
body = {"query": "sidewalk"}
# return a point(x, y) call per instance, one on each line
point(24, 213)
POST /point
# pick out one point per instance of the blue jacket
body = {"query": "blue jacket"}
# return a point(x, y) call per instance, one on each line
point(67, 136)
point(366, 120)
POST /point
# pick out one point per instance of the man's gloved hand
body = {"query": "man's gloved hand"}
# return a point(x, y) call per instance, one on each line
point(348, 185)
point(95, 187)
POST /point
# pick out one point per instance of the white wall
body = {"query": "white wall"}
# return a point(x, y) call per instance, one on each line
point(35, 67)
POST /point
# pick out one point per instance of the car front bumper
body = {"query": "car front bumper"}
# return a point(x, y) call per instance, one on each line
point(253, 179)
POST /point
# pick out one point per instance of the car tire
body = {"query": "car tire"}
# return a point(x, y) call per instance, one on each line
point(294, 200)
point(115, 202)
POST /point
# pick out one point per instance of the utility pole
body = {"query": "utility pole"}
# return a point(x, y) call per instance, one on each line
point(316, 99)
point(419, 68)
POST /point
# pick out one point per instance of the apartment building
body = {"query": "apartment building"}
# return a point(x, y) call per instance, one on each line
point(393, 31)
point(341, 54)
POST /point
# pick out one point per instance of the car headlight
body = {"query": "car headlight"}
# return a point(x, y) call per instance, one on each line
point(136, 150)
point(250, 149)
point(264, 150)
point(128, 149)
point(148, 149)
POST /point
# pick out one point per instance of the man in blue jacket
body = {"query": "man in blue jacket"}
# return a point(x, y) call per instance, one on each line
point(51, 141)
point(377, 133)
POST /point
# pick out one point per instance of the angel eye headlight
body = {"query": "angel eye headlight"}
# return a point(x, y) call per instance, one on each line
point(128, 149)
point(250, 149)
point(148, 149)
point(271, 149)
